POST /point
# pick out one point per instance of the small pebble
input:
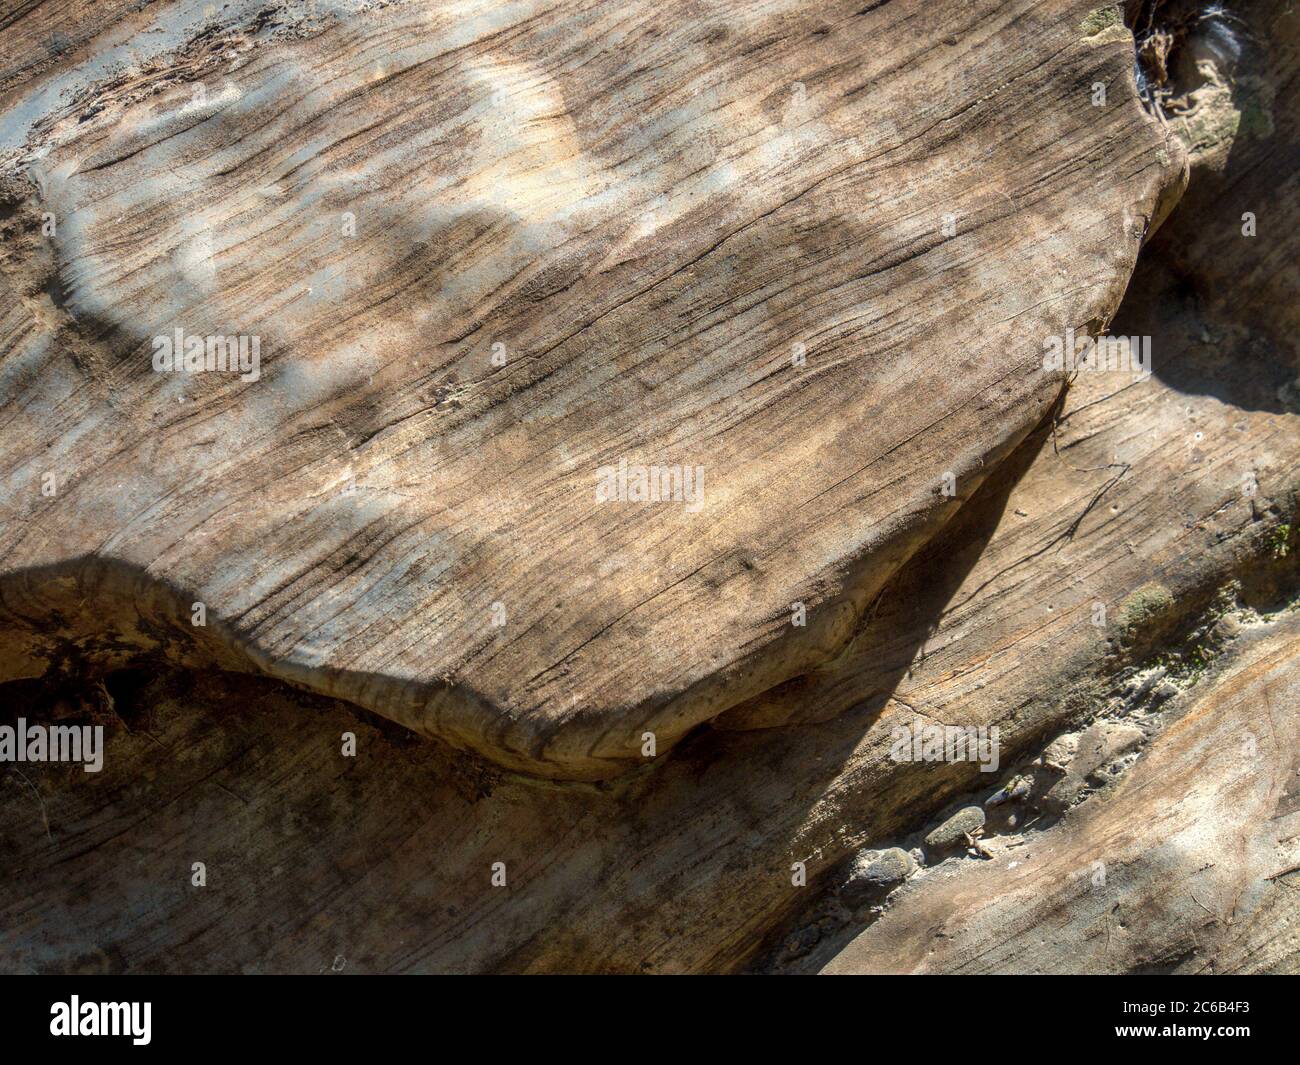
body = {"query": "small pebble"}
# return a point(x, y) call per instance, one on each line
point(953, 831)
point(873, 870)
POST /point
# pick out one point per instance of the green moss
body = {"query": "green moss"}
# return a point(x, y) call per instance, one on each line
point(1256, 120)
point(1254, 99)
point(1279, 541)
point(1145, 606)
point(1100, 19)
point(1185, 668)
point(1213, 124)
point(1198, 661)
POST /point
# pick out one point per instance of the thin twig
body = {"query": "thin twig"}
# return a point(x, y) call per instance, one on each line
point(45, 817)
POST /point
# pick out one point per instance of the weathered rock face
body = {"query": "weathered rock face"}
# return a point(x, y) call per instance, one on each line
point(821, 267)
point(503, 262)
point(1188, 865)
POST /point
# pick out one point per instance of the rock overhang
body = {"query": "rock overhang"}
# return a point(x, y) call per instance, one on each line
point(485, 270)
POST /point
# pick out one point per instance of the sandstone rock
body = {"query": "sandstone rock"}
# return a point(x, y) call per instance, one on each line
point(1146, 877)
point(648, 225)
point(954, 830)
point(1092, 751)
point(1104, 742)
point(871, 871)
point(1017, 788)
point(761, 247)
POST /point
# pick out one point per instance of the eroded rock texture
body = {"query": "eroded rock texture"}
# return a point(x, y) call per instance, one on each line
point(491, 251)
point(712, 242)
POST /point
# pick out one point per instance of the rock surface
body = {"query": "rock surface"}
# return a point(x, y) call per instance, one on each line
point(489, 254)
point(1112, 584)
point(964, 822)
point(872, 871)
point(1190, 866)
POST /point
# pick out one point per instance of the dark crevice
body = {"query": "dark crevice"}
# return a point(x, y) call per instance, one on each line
point(1172, 36)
